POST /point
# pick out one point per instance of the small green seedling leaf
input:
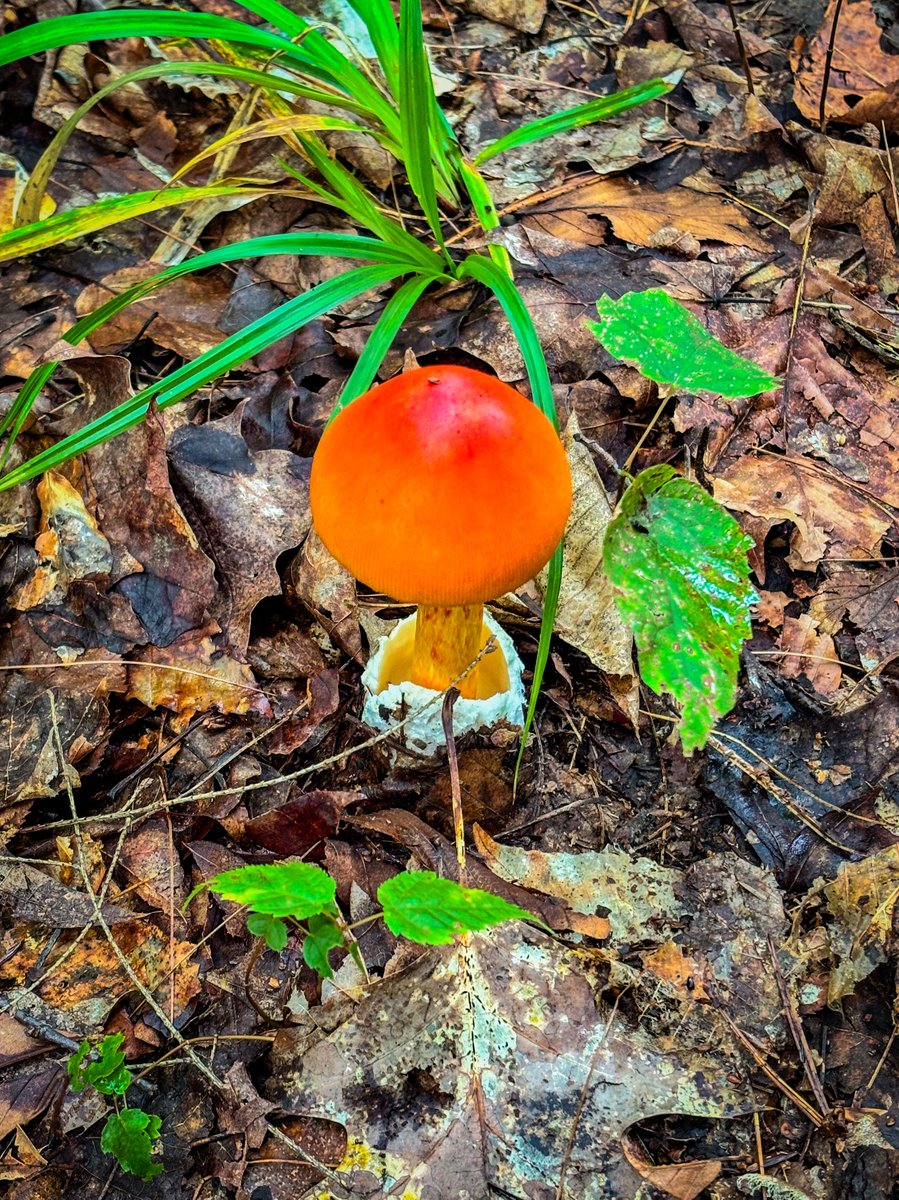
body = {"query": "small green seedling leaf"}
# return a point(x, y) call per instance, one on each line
point(293, 889)
point(424, 908)
point(653, 332)
point(324, 935)
point(271, 929)
point(107, 1072)
point(677, 563)
point(129, 1136)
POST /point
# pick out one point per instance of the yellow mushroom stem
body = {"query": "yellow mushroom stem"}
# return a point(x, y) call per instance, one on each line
point(447, 640)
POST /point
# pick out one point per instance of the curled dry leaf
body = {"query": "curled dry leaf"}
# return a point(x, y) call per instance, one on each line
point(251, 507)
point(587, 617)
point(192, 676)
point(831, 516)
point(682, 1181)
point(810, 653)
point(638, 213)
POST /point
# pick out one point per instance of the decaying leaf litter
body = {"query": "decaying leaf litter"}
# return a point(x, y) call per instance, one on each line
point(713, 1014)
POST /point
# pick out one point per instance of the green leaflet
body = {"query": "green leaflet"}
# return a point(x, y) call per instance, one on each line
point(424, 908)
point(660, 337)
point(107, 1072)
point(677, 562)
point(323, 936)
point(129, 1136)
point(272, 930)
point(291, 889)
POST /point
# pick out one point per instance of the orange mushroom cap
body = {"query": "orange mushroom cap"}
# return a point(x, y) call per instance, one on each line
point(442, 486)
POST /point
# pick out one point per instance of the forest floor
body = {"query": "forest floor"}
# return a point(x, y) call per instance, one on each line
point(715, 1014)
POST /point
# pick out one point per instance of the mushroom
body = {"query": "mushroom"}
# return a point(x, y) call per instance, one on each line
point(444, 488)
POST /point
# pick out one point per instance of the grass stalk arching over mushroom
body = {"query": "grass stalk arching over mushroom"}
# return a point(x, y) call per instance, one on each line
point(282, 66)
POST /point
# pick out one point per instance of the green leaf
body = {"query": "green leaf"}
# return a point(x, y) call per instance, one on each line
point(324, 935)
point(416, 101)
point(231, 352)
point(88, 218)
point(424, 908)
point(677, 563)
point(291, 889)
point(584, 114)
point(655, 333)
point(271, 929)
point(107, 1072)
point(129, 1136)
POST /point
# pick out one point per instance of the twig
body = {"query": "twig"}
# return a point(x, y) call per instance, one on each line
point(452, 695)
point(828, 62)
point(738, 37)
point(797, 1032)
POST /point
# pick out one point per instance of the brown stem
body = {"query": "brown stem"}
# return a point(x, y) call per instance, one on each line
point(447, 640)
point(828, 63)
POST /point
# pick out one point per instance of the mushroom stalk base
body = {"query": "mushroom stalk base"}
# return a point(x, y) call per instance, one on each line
point(447, 641)
point(393, 702)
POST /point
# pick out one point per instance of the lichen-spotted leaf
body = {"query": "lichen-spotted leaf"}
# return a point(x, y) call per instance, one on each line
point(129, 1136)
point(654, 332)
point(292, 889)
point(424, 908)
point(677, 563)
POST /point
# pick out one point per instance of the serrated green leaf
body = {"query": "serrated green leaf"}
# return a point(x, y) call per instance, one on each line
point(295, 889)
point(424, 908)
point(324, 935)
point(129, 1136)
point(654, 332)
point(271, 929)
point(106, 1072)
point(677, 563)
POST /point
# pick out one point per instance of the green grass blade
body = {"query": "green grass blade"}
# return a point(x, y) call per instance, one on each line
point(380, 340)
point(485, 210)
point(584, 114)
point(326, 245)
point(88, 218)
point(15, 418)
point(380, 22)
point(230, 353)
point(334, 245)
point(416, 100)
point(358, 203)
point(268, 127)
point(116, 23)
point(492, 276)
point(476, 266)
point(314, 55)
point(29, 206)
